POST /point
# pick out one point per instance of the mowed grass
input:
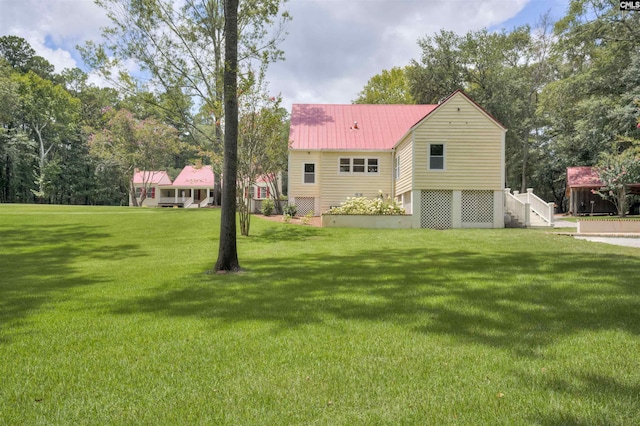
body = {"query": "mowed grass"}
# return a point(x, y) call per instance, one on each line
point(107, 316)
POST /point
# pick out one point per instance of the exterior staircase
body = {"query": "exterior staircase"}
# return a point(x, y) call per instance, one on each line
point(527, 210)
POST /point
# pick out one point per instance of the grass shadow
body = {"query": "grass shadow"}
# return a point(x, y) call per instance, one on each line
point(515, 300)
point(37, 262)
point(287, 233)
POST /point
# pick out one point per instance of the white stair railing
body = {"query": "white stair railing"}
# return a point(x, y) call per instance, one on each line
point(545, 210)
point(205, 202)
point(186, 202)
point(517, 207)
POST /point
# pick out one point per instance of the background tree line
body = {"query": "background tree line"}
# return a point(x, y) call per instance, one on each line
point(55, 130)
point(567, 91)
point(64, 140)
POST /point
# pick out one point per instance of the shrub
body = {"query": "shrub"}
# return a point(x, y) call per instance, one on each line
point(267, 207)
point(306, 218)
point(290, 210)
point(363, 205)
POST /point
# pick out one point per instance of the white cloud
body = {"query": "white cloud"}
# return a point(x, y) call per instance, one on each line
point(53, 28)
point(333, 46)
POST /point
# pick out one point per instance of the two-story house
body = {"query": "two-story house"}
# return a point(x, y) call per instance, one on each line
point(445, 163)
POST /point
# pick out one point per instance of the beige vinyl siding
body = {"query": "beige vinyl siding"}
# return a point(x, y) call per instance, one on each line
point(473, 148)
point(404, 150)
point(297, 160)
point(336, 186)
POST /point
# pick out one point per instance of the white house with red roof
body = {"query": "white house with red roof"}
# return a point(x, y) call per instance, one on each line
point(262, 189)
point(193, 187)
point(445, 163)
point(148, 186)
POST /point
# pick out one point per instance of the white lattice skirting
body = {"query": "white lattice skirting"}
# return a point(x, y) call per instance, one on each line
point(477, 207)
point(435, 209)
point(304, 205)
point(441, 209)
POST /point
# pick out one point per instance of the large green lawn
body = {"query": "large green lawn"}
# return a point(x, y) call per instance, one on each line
point(107, 316)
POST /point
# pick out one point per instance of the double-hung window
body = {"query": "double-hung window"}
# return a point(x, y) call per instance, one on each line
point(372, 165)
point(398, 167)
point(309, 173)
point(345, 165)
point(359, 165)
point(436, 156)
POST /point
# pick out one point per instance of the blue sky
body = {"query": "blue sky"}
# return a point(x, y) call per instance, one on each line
point(333, 46)
point(532, 11)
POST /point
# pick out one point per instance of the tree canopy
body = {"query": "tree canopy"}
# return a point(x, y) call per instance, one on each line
point(389, 87)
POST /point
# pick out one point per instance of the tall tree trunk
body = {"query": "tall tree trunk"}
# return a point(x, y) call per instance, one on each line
point(43, 156)
point(275, 191)
point(228, 253)
point(132, 191)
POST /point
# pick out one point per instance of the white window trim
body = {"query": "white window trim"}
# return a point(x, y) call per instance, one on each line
point(444, 156)
point(262, 189)
point(366, 166)
point(340, 165)
point(397, 169)
point(315, 174)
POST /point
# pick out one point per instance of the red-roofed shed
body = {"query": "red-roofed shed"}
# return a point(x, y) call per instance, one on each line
point(581, 183)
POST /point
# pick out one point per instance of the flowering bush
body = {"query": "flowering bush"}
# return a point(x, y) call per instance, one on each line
point(618, 171)
point(363, 205)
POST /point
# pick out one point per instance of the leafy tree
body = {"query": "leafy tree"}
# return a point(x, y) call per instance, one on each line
point(389, 87)
point(21, 56)
point(16, 150)
point(128, 144)
point(17, 51)
point(186, 47)
point(181, 49)
point(590, 104)
point(441, 70)
point(262, 144)
point(617, 171)
point(50, 113)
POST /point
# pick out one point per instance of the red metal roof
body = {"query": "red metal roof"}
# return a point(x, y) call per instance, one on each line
point(587, 177)
point(157, 177)
point(194, 177)
point(352, 127)
point(265, 178)
point(583, 177)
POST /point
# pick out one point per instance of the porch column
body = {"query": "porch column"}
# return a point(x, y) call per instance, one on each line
point(572, 210)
